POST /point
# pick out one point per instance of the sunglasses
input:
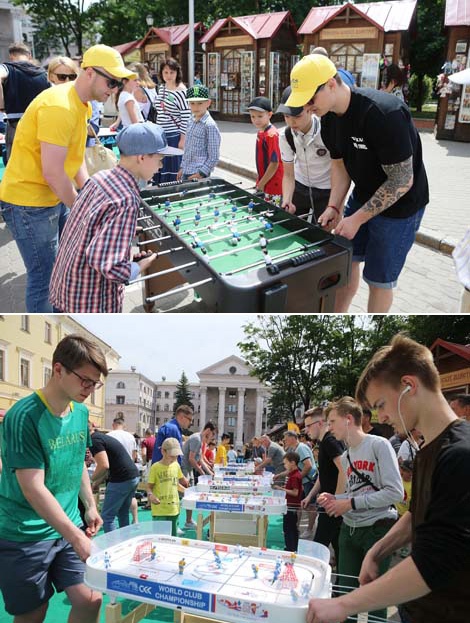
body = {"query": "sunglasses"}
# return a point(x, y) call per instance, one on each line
point(111, 82)
point(312, 99)
point(64, 77)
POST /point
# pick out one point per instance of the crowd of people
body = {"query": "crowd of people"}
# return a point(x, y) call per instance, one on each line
point(336, 135)
point(370, 495)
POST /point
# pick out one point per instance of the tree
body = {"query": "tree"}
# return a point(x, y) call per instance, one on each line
point(428, 49)
point(63, 20)
point(426, 329)
point(286, 353)
point(183, 393)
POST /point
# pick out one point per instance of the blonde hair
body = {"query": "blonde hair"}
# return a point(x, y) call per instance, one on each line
point(390, 363)
point(143, 75)
point(61, 60)
point(346, 406)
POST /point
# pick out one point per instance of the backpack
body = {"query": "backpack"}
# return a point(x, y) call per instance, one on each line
point(290, 138)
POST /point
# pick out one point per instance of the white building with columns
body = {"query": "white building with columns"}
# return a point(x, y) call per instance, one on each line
point(233, 399)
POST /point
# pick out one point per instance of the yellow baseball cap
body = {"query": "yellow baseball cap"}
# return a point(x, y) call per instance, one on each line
point(307, 75)
point(109, 59)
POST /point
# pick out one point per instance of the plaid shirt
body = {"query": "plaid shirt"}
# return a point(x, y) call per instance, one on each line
point(201, 149)
point(93, 262)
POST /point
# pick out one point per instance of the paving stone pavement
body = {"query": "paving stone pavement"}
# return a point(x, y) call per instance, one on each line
point(427, 284)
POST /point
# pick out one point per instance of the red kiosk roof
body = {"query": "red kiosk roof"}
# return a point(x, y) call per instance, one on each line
point(458, 349)
point(387, 16)
point(457, 13)
point(123, 48)
point(263, 26)
point(172, 35)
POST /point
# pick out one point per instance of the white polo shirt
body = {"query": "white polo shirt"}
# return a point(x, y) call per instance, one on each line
point(312, 162)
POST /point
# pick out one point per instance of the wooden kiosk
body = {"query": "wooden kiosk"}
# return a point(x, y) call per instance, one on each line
point(246, 57)
point(172, 41)
point(358, 35)
point(453, 112)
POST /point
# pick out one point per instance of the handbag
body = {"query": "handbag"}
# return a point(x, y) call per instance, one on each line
point(153, 112)
point(98, 157)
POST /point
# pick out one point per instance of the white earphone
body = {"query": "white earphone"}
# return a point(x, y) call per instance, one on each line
point(407, 389)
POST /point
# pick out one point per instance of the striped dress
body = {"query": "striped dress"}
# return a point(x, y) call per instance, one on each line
point(173, 116)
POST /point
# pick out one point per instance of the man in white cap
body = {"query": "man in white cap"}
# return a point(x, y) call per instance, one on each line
point(372, 142)
point(37, 189)
point(94, 259)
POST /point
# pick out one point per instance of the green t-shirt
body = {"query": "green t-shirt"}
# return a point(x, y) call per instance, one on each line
point(164, 479)
point(34, 438)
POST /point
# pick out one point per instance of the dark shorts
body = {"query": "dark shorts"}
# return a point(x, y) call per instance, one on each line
point(383, 244)
point(29, 572)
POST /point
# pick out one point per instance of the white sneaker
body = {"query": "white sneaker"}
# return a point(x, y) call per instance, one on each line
point(179, 532)
point(306, 534)
point(190, 525)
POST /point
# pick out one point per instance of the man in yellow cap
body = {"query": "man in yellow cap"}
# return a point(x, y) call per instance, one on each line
point(47, 157)
point(374, 144)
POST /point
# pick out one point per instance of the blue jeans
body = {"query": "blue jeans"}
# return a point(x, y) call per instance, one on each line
point(117, 503)
point(36, 231)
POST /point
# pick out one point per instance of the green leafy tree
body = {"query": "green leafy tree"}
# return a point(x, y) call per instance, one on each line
point(426, 329)
point(183, 393)
point(64, 21)
point(286, 353)
point(428, 49)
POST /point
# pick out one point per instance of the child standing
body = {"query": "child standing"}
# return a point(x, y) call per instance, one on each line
point(94, 258)
point(268, 155)
point(293, 491)
point(162, 484)
point(201, 150)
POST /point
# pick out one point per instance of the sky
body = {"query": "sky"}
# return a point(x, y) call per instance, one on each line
point(166, 344)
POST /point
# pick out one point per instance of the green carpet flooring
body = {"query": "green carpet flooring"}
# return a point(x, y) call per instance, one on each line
point(59, 606)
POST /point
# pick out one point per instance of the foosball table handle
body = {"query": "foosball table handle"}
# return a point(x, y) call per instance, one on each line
point(275, 269)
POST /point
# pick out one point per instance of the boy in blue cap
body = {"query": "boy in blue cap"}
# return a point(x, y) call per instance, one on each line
point(202, 145)
point(94, 259)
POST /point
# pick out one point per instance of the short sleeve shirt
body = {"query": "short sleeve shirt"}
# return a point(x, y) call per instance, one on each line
point(192, 444)
point(34, 438)
point(164, 479)
point(377, 130)
point(267, 151)
point(56, 116)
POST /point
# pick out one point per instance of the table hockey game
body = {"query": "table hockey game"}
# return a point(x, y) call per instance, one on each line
point(229, 583)
point(273, 503)
point(238, 252)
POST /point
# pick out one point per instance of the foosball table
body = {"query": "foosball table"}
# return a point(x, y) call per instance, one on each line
point(236, 251)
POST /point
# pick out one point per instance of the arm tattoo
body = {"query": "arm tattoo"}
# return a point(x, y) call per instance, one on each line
point(398, 183)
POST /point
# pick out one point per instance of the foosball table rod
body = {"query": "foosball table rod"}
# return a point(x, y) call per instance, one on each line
point(158, 297)
point(162, 272)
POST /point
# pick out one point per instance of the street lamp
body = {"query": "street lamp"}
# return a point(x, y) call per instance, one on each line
point(149, 20)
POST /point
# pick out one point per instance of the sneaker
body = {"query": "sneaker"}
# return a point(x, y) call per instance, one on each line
point(306, 534)
point(179, 532)
point(190, 525)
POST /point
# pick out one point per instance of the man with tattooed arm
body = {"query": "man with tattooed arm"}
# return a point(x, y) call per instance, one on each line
point(374, 144)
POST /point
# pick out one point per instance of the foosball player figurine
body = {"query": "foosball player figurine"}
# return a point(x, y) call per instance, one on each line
point(167, 203)
point(276, 574)
point(251, 205)
point(107, 560)
point(235, 236)
point(153, 552)
point(294, 594)
point(268, 225)
point(177, 223)
point(268, 260)
point(212, 195)
point(240, 551)
point(305, 589)
point(234, 209)
point(293, 556)
point(167, 211)
point(216, 214)
point(255, 569)
point(181, 566)
point(263, 243)
point(197, 217)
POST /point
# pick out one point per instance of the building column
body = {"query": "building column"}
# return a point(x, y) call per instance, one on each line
point(203, 407)
point(240, 417)
point(259, 413)
point(220, 421)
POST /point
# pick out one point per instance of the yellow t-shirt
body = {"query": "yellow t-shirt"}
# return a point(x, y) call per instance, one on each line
point(404, 506)
point(164, 479)
point(56, 116)
point(221, 455)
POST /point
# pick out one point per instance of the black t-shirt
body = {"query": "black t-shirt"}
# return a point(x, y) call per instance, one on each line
point(121, 466)
point(328, 450)
point(376, 130)
point(440, 508)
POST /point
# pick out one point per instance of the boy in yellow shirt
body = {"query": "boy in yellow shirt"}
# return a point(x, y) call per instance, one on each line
point(221, 454)
point(162, 484)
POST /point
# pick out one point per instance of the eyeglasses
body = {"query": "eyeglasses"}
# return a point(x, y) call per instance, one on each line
point(86, 383)
point(64, 77)
point(111, 82)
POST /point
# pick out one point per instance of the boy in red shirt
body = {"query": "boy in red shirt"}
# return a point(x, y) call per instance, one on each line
point(293, 491)
point(268, 155)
